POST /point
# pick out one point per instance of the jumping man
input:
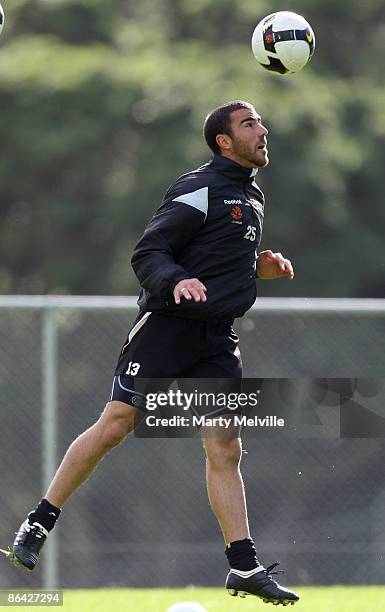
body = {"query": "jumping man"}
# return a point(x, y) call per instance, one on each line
point(197, 264)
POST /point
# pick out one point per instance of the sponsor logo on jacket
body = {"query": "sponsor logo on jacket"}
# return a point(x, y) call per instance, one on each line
point(232, 202)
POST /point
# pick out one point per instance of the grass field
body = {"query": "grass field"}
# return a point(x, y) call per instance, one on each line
point(313, 599)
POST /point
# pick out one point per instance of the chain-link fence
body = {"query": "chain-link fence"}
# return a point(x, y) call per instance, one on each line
point(143, 518)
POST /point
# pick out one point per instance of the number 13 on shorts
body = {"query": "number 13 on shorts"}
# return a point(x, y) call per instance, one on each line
point(133, 368)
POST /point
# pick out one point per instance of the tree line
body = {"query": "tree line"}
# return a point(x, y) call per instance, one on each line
point(102, 106)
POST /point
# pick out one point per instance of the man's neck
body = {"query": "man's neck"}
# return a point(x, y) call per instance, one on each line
point(238, 160)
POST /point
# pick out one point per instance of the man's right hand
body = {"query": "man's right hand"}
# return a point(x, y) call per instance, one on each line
point(190, 288)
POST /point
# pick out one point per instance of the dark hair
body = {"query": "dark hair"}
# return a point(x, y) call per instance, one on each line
point(218, 122)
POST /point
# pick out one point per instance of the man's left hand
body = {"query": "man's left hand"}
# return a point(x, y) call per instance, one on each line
point(273, 265)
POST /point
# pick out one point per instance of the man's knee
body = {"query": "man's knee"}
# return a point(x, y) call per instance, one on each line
point(223, 452)
point(116, 421)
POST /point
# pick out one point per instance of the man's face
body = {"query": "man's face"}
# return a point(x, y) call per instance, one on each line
point(247, 143)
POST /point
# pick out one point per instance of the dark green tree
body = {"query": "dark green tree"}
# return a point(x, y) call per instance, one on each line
point(102, 105)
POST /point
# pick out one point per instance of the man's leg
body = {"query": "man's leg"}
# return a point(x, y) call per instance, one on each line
point(225, 486)
point(155, 344)
point(228, 502)
point(84, 454)
point(81, 458)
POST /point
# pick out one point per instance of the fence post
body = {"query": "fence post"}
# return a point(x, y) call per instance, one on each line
point(49, 431)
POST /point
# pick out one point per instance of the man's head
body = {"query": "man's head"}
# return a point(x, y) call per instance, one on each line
point(235, 130)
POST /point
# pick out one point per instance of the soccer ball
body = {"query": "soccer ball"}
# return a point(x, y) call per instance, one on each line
point(283, 42)
point(187, 606)
point(1, 18)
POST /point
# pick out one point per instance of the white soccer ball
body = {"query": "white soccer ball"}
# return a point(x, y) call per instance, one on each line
point(283, 42)
point(1, 18)
point(187, 606)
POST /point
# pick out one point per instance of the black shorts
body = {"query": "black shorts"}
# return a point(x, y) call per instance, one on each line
point(162, 348)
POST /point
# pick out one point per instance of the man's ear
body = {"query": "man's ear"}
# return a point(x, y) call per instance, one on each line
point(224, 142)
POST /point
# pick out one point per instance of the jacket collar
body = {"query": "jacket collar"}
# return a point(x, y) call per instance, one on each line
point(232, 169)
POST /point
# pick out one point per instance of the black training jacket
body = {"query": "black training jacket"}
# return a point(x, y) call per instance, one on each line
point(208, 226)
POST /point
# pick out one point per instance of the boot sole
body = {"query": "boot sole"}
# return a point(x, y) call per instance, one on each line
point(275, 602)
point(15, 560)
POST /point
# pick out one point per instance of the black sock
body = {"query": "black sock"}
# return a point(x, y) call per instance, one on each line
point(45, 513)
point(242, 555)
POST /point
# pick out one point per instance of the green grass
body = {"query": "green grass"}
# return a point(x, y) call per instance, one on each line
point(313, 599)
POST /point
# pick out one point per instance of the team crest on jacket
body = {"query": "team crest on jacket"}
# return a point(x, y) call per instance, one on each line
point(236, 214)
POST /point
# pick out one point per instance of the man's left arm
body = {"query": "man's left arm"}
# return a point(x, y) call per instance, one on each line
point(271, 265)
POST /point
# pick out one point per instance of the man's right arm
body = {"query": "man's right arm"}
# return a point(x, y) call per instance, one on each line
point(168, 232)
